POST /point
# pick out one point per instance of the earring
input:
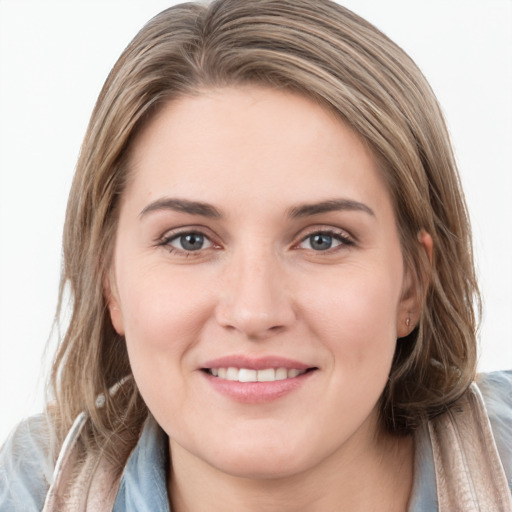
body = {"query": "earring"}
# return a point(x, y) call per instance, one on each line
point(408, 321)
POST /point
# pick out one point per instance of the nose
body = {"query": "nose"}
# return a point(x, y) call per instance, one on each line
point(255, 300)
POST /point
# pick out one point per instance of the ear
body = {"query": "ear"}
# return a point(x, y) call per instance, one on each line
point(428, 245)
point(114, 307)
point(409, 310)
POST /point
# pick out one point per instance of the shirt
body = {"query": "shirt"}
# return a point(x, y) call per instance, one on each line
point(26, 469)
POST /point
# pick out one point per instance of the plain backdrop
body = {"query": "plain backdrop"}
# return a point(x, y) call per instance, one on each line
point(54, 57)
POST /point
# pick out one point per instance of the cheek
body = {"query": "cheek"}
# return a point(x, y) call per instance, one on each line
point(159, 309)
point(162, 318)
point(356, 310)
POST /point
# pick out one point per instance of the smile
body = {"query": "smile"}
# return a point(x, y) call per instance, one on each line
point(256, 380)
point(251, 375)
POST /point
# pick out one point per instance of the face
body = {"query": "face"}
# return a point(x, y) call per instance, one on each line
point(258, 280)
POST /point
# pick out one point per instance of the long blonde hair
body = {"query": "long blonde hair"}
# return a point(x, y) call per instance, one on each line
point(331, 55)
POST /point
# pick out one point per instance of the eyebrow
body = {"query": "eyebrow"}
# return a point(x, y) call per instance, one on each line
point(331, 205)
point(182, 205)
point(208, 210)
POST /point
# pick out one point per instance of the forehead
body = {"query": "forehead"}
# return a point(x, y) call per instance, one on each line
point(251, 141)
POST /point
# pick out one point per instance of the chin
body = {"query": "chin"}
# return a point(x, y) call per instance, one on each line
point(261, 466)
point(261, 460)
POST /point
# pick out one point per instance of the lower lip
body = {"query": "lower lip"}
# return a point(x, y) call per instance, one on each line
point(257, 392)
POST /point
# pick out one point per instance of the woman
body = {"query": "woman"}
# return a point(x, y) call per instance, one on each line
point(259, 244)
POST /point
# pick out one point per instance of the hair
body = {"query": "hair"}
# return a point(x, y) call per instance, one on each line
point(327, 53)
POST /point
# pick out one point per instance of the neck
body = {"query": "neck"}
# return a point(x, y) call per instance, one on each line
point(357, 480)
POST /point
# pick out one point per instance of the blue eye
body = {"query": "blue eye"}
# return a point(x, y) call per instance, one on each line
point(324, 240)
point(320, 241)
point(190, 242)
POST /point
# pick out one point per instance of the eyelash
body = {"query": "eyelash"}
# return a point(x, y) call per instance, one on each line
point(165, 241)
point(340, 236)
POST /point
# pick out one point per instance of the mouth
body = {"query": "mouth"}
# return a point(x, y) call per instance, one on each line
point(234, 374)
point(256, 379)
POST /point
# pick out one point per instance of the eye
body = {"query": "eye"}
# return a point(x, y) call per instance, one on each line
point(325, 240)
point(188, 242)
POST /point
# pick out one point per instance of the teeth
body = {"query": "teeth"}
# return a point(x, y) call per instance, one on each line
point(232, 374)
point(281, 373)
point(268, 375)
point(245, 375)
point(248, 375)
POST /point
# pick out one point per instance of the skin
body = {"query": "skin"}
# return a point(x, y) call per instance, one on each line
point(259, 286)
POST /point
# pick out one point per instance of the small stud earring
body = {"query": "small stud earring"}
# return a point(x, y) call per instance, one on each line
point(408, 321)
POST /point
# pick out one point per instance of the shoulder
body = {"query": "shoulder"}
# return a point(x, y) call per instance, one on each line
point(26, 466)
point(496, 388)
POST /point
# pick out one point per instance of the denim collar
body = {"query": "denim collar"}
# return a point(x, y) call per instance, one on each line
point(143, 485)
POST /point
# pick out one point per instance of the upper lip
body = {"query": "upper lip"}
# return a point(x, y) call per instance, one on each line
point(255, 363)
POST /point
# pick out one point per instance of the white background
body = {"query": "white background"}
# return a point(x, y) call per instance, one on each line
point(54, 57)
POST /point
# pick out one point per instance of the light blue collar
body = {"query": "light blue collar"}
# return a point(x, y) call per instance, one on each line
point(143, 485)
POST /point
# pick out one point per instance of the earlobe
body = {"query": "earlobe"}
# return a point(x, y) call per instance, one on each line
point(408, 313)
point(116, 316)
